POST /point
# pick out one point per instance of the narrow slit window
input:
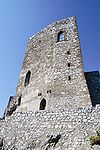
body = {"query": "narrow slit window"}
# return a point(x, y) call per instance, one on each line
point(61, 36)
point(69, 78)
point(68, 64)
point(19, 100)
point(27, 78)
point(68, 52)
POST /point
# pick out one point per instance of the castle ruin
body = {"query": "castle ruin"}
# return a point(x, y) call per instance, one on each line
point(56, 105)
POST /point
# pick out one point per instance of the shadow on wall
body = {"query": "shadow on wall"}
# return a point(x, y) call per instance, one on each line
point(13, 103)
point(93, 82)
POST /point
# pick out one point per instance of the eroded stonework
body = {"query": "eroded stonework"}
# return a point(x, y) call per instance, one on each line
point(55, 69)
point(53, 108)
point(61, 129)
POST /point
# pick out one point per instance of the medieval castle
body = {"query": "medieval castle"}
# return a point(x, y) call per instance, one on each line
point(56, 106)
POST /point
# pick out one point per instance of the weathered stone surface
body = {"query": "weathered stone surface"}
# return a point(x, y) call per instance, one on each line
point(51, 129)
point(52, 108)
point(55, 69)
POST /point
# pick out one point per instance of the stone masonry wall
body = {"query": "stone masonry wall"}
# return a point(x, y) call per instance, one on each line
point(47, 59)
point(68, 129)
point(69, 118)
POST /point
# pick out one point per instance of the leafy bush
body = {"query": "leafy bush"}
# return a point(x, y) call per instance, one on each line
point(95, 140)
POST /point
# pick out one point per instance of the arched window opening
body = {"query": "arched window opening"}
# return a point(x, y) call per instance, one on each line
point(42, 104)
point(61, 36)
point(19, 100)
point(27, 79)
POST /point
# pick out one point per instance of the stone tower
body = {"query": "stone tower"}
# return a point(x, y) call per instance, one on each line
point(52, 75)
point(52, 108)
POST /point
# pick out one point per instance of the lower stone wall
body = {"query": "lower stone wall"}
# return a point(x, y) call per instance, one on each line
point(68, 129)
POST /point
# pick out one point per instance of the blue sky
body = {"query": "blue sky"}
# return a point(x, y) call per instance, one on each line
point(20, 19)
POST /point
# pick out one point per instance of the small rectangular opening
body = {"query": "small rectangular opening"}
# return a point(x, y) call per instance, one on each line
point(69, 78)
point(39, 94)
point(68, 64)
point(68, 52)
point(49, 91)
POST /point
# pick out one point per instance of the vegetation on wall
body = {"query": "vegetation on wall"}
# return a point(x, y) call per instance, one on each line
point(95, 140)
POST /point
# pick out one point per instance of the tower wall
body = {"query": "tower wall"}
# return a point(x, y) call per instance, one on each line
point(53, 75)
point(56, 69)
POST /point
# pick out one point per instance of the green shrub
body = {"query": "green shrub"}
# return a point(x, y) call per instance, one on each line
point(98, 133)
point(95, 140)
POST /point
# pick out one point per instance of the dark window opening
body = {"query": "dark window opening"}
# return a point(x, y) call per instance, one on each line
point(68, 64)
point(19, 100)
point(49, 91)
point(1, 143)
point(61, 36)
point(27, 79)
point(39, 41)
point(68, 52)
point(39, 94)
point(69, 78)
point(42, 104)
